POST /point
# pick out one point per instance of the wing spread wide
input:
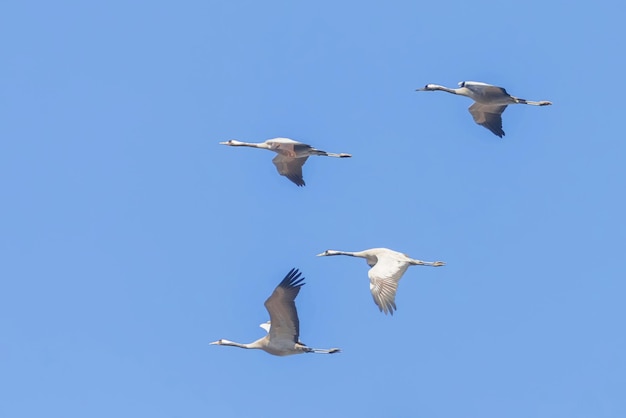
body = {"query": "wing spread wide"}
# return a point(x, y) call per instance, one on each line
point(384, 278)
point(489, 116)
point(281, 306)
point(290, 167)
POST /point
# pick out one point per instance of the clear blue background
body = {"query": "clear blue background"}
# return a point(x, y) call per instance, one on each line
point(129, 239)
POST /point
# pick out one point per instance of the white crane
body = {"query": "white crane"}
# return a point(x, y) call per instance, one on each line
point(490, 102)
point(291, 155)
point(387, 268)
point(283, 328)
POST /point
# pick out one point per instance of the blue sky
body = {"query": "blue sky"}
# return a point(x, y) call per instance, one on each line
point(130, 239)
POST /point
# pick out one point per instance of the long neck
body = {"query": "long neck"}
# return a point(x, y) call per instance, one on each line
point(446, 89)
point(234, 344)
point(249, 144)
point(351, 254)
point(253, 345)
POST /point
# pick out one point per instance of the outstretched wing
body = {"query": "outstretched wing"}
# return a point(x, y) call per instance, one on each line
point(290, 167)
point(384, 277)
point(281, 306)
point(489, 116)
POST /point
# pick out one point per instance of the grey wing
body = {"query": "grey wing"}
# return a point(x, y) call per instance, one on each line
point(486, 90)
point(281, 306)
point(489, 116)
point(300, 148)
point(384, 278)
point(290, 168)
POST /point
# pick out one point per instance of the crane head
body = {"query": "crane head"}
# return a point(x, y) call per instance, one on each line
point(427, 87)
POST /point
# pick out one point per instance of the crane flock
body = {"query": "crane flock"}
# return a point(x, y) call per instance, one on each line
point(386, 266)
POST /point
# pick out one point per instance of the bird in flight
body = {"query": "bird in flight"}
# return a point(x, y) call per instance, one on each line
point(283, 328)
point(291, 155)
point(489, 102)
point(387, 268)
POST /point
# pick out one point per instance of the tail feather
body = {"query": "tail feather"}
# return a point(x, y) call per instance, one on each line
point(315, 151)
point(531, 102)
point(323, 350)
point(329, 154)
point(426, 263)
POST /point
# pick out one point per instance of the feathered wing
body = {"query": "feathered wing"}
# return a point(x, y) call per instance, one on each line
point(384, 277)
point(266, 326)
point(489, 116)
point(486, 90)
point(281, 306)
point(301, 148)
point(290, 168)
point(290, 148)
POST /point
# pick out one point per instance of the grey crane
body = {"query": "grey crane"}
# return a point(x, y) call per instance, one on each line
point(387, 268)
point(283, 328)
point(490, 102)
point(291, 155)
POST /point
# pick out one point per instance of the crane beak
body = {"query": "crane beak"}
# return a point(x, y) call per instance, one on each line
point(321, 255)
point(223, 143)
point(215, 343)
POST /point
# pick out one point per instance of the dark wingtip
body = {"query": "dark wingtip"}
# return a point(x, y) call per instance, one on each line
point(293, 279)
point(495, 130)
point(297, 181)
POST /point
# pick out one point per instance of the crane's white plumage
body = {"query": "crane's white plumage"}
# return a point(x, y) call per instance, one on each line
point(283, 328)
point(490, 102)
point(291, 155)
point(266, 326)
point(387, 268)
